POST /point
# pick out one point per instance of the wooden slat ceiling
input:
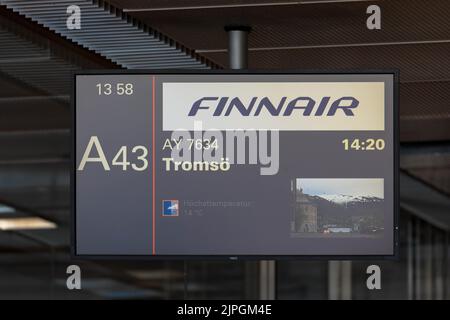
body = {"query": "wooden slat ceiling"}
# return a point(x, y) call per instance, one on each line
point(415, 38)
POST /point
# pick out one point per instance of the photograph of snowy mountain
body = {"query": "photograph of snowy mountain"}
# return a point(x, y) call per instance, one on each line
point(338, 207)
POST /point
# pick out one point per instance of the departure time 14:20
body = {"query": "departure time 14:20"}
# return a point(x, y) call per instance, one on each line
point(364, 144)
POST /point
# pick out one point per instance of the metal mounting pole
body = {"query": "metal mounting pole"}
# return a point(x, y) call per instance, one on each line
point(261, 275)
point(238, 46)
point(339, 280)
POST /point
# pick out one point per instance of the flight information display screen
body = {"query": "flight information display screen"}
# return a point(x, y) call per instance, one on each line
point(226, 164)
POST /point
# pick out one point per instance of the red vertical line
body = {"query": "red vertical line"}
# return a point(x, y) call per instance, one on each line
point(153, 167)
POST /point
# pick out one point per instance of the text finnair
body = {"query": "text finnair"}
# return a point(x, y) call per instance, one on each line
point(225, 105)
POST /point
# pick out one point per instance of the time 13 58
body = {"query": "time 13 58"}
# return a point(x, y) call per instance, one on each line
point(119, 89)
point(364, 144)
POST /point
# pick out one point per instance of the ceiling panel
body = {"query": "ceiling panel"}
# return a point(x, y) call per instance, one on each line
point(199, 24)
point(415, 39)
point(416, 62)
point(110, 34)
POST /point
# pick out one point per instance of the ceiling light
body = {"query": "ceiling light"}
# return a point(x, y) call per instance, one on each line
point(26, 223)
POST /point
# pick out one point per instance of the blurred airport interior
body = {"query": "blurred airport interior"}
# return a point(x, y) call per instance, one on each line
point(38, 55)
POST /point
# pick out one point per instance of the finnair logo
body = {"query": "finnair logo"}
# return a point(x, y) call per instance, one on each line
point(281, 106)
point(224, 106)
